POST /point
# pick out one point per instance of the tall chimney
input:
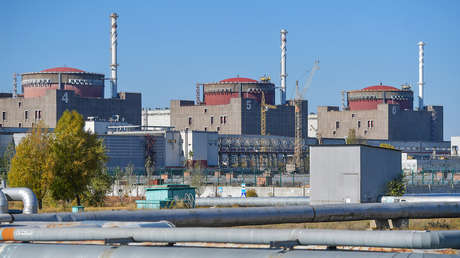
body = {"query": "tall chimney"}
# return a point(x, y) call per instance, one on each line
point(15, 85)
point(420, 74)
point(114, 65)
point(283, 67)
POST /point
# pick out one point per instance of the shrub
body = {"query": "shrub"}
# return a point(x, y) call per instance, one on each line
point(396, 187)
point(251, 193)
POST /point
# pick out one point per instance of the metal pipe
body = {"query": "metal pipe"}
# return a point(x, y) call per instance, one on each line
point(219, 217)
point(3, 203)
point(66, 250)
point(25, 195)
point(88, 224)
point(389, 199)
point(388, 239)
point(253, 201)
point(420, 74)
point(114, 44)
point(283, 67)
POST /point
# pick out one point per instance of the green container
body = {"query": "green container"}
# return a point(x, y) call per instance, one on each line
point(78, 209)
point(163, 196)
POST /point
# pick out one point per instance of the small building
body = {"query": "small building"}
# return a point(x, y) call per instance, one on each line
point(166, 196)
point(351, 173)
point(455, 146)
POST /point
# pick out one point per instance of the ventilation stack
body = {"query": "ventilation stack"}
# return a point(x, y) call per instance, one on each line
point(283, 67)
point(420, 75)
point(15, 85)
point(114, 65)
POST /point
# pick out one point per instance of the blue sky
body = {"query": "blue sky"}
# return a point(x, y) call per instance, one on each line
point(165, 47)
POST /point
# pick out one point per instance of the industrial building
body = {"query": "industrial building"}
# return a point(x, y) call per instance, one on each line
point(156, 117)
point(455, 146)
point(358, 173)
point(233, 106)
point(384, 113)
point(47, 94)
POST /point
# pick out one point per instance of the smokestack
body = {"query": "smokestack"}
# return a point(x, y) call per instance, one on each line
point(114, 65)
point(420, 74)
point(283, 67)
point(15, 85)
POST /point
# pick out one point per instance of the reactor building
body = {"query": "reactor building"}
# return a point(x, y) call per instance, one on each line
point(234, 106)
point(384, 113)
point(47, 94)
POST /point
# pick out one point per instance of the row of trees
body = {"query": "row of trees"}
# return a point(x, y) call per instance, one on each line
point(66, 165)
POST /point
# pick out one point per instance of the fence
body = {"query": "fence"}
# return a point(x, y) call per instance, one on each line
point(432, 177)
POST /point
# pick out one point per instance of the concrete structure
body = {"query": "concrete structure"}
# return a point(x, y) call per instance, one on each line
point(83, 84)
point(232, 106)
point(455, 145)
point(351, 173)
point(49, 93)
point(200, 148)
point(382, 113)
point(99, 127)
point(156, 117)
point(312, 125)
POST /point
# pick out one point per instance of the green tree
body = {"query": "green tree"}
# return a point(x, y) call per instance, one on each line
point(396, 187)
point(98, 188)
point(5, 161)
point(76, 157)
point(29, 164)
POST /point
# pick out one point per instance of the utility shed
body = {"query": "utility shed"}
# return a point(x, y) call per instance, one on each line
point(351, 173)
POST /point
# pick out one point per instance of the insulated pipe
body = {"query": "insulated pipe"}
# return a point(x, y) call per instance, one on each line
point(89, 224)
point(387, 239)
point(69, 251)
point(387, 199)
point(3, 203)
point(220, 217)
point(25, 195)
point(253, 201)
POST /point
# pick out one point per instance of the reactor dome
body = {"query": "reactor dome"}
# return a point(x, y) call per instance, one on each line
point(220, 93)
point(370, 97)
point(84, 84)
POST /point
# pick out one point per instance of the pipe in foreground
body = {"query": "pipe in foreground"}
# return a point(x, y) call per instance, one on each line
point(221, 217)
point(388, 239)
point(25, 195)
point(3, 203)
point(89, 224)
point(69, 251)
point(253, 201)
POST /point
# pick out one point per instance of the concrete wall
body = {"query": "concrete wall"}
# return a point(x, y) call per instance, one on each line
point(351, 173)
point(387, 122)
point(455, 145)
point(50, 107)
point(241, 116)
point(156, 117)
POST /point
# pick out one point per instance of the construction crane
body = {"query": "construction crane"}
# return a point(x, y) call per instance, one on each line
point(263, 114)
point(299, 136)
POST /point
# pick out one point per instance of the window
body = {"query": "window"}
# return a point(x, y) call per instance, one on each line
point(39, 114)
point(19, 103)
point(333, 132)
point(205, 129)
point(189, 121)
point(353, 115)
point(206, 110)
point(359, 124)
point(337, 124)
point(26, 115)
point(20, 125)
point(218, 128)
point(221, 119)
point(370, 124)
point(212, 120)
point(225, 119)
point(36, 114)
point(4, 115)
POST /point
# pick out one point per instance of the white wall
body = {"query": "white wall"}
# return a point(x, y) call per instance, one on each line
point(156, 117)
point(455, 145)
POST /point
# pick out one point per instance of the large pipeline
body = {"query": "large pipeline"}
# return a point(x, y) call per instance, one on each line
point(252, 201)
point(389, 239)
point(421, 198)
point(25, 195)
point(218, 217)
point(69, 251)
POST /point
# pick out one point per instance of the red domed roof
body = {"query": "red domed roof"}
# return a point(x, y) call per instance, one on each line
point(62, 70)
point(238, 79)
point(380, 88)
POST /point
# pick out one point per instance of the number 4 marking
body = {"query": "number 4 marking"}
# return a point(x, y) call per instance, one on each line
point(65, 97)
